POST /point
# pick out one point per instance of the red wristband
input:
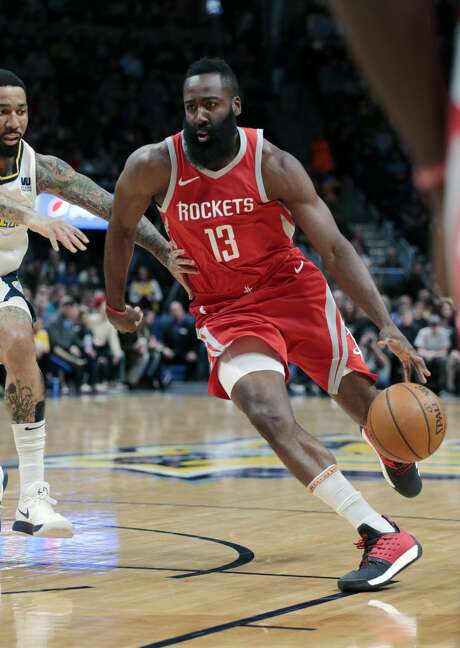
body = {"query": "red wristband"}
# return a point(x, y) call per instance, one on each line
point(430, 176)
point(115, 311)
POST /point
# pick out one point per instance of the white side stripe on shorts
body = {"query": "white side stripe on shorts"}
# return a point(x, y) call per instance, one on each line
point(213, 346)
point(339, 359)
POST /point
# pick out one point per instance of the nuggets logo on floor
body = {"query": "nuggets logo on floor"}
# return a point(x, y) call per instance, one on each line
point(247, 458)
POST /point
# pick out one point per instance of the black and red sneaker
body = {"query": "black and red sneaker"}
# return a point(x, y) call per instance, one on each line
point(404, 478)
point(385, 555)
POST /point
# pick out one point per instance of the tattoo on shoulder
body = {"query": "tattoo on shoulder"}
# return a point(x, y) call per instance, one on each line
point(59, 178)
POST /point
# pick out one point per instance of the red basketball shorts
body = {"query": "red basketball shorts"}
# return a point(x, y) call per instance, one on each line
point(295, 314)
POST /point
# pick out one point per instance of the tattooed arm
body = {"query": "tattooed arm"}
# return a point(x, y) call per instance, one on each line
point(59, 178)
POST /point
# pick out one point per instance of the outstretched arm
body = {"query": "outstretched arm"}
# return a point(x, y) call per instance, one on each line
point(285, 179)
point(54, 229)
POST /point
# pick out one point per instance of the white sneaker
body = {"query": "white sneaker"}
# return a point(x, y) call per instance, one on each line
point(35, 515)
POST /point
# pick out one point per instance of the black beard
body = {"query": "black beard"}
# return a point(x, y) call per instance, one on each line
point(218, 148)
point(8, 150)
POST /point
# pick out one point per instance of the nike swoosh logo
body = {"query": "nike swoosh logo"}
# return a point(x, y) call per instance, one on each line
point(182, 183)
point(297, 270)
point(26, 514)
point(34, 427)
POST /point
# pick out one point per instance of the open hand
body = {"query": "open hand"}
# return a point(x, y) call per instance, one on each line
point(179, 266)
point(392, 338)
point(57, 231)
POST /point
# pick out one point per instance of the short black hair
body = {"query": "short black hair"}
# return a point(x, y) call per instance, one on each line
point(8, 78)
point(214, 66)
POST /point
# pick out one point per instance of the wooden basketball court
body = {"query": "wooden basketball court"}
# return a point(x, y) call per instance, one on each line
point(189, 531)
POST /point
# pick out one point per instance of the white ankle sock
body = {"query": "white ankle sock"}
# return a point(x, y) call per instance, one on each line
point(30, 445)
point(336, 491)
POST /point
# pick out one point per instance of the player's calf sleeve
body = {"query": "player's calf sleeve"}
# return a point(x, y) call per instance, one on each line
point(337, 492)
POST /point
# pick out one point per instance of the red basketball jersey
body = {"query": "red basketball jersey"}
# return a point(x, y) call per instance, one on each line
point(225, 222)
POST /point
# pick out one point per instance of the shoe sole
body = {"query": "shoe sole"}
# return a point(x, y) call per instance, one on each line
point(21, 527)
point(385, 474)
point(404, 561)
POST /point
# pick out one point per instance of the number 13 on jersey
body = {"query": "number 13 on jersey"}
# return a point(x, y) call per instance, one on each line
point(223, 243)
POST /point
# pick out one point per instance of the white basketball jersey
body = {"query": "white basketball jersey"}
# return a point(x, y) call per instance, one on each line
point(20, 186)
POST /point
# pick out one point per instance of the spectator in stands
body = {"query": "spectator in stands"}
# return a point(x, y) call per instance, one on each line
point(89, 354)
point(44, 308)
point(348, 313)
point(51, 269)
point(416, 280)
point(377, 361)
point(422, 313)
point(42, 344)
point(137, 359)
point(393, 276)
point(180, 344)
point(106, 343)
point(144, 357)
point(90, 278)
point(403, 304)
point(361, 248)
point(339, 298)
point(447, 315)
point(391, 259)
point(56, 295)
point(65, 341)
point(453, 372)
point(362, 323)
point(146, 290)
point(407, 325)
point(433, 343)
point(321, 160)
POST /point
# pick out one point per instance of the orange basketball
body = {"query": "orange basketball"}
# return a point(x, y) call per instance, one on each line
point(406, 422)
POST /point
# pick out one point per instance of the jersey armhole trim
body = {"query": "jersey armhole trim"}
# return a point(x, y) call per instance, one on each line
point(12, 176)
point(172, 180)
point(259, 178)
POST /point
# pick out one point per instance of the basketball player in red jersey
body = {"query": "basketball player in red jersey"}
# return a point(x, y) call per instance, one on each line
point(231, 200)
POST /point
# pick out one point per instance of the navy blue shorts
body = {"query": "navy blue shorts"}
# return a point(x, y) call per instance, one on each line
point(11, 294)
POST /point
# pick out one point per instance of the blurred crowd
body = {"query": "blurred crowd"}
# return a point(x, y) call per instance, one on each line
point(79, 351)
point(105, 78)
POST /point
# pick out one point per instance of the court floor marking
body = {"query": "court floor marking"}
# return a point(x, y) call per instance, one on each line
point(245, 555)
point(230, 507)
point(273, 627)
point(50, 589)
point(246, 620)
point(109, 567)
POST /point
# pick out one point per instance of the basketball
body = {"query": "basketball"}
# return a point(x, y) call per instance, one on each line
point(406, 422)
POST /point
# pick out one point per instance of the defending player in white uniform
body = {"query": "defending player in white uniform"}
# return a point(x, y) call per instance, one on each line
point(24, 174)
